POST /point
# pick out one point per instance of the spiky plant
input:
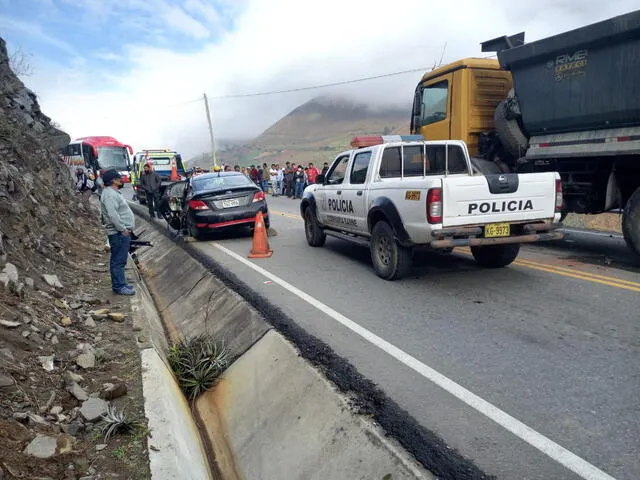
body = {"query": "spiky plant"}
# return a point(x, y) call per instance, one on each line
point(197, 363)
point(115, 421)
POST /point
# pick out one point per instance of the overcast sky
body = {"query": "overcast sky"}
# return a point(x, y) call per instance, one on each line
point(137, 69)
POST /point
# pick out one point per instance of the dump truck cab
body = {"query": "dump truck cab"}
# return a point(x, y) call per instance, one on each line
point(569, 103)
point(458, 101)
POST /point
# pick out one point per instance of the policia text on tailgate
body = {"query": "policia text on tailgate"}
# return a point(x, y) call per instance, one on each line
point(398, 192)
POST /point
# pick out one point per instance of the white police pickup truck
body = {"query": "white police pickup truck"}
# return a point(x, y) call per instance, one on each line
point(396, 193)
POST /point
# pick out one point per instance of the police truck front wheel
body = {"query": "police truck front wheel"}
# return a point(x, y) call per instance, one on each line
point(495, 256)
point(312, 229)
point(390, 260)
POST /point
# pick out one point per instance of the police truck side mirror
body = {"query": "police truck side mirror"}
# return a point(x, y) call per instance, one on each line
point(320, 178)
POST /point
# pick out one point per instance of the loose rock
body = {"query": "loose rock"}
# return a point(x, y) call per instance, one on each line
point(9, 324)
point(52, 280)
point(100, 447)
point(65, 322)
point(43, 446)
point(57, 410)
point(36, 419)
point(117, 317)
point(93, 409)
point(86, 360)
point(46, 362)
point(5, 381)
point(77, 391)
point(11, 272)
point(112, 391)
point(89, 322)
point(74, 377)
point(73, 428)
point(90, 299)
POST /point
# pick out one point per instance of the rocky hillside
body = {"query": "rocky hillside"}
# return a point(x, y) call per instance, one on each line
point(57, 352)
point(314, 132)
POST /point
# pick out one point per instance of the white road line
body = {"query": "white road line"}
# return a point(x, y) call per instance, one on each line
point(547, 446)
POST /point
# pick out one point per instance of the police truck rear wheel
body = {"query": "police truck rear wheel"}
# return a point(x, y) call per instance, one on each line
point(314, 233)
point(390, 260)
point(631, 222)
point(495, 256)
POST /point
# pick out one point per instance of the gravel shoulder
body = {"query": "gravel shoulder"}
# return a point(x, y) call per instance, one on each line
point(67, 353)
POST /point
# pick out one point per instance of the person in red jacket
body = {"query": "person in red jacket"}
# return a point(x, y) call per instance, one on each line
point(312, 173)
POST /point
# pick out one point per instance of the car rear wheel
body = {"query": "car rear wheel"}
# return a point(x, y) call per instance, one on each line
point(391, 260)
point(495, 256)
point(194, 231)
point(312, 229)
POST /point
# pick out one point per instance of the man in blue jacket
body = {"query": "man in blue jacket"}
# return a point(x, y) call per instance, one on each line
point(119, 222)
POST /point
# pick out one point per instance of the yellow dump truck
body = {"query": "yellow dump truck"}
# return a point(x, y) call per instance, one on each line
point(568, 103)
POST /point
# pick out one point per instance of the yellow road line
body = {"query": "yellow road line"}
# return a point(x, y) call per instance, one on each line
point(566, 272)
point(543, 267)
point(580, 272)
point(286, 214)
point(613, 283)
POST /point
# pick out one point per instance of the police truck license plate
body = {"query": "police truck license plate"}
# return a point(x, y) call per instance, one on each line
point(497, 230)
point(230, 203)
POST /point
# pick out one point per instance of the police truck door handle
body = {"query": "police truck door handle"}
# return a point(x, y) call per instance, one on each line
point(339, 192)
point(359, 193)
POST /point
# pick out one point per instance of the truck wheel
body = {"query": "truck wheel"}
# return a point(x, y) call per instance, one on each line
point(390, 260)
point(508, 131)
point(312, 229)
point(631, 222)
point(495, 256)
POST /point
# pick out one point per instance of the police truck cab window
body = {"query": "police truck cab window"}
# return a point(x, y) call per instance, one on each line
point(417, 164)
point(337, 173)
point(434, 102)
point(360, 168)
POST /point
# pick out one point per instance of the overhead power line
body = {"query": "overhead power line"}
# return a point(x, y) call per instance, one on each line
point(325, 85)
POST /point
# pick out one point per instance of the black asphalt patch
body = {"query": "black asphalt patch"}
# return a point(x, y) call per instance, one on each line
point(368, 399)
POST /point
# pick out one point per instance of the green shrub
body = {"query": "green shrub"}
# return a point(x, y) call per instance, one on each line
point(197, 363)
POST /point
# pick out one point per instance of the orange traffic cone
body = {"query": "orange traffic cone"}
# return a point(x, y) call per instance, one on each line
point(260, 247)
point(174, 171)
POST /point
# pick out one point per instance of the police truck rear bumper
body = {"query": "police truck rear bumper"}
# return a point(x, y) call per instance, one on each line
point(472, 236)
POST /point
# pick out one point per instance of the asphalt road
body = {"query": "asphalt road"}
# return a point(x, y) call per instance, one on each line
point(552, 340)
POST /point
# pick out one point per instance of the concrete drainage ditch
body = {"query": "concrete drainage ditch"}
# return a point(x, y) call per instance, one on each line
point(271, 415)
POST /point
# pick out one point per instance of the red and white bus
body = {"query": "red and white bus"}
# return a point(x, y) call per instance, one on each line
point(99, 153)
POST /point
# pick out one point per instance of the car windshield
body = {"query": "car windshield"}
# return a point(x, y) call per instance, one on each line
point(204, 184)
point(113, 157)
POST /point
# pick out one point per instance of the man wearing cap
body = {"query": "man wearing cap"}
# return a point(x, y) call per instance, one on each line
point(119, 222)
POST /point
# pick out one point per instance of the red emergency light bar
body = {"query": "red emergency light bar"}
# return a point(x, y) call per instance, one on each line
point(371, 140)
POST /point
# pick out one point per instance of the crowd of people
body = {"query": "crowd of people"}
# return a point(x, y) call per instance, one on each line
point(290, 180)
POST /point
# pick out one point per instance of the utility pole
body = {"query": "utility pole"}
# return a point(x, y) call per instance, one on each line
point(212, 138)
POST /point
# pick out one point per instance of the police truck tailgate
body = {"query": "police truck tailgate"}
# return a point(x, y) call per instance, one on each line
point(508, 198)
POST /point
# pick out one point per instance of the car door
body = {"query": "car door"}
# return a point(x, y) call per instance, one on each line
point(354, 195)
point(329, 212)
